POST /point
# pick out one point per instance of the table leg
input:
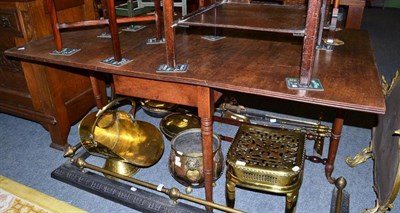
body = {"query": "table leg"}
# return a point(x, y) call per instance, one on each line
point(334, 144)
point(205, 105)
point(96, 91)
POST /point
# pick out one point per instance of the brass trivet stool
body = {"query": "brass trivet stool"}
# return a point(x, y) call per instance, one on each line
point(266, 159)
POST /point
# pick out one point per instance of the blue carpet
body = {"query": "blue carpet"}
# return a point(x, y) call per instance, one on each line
point(26, 158)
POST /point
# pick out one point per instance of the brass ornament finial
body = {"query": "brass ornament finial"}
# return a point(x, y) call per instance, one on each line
point(80, 163)
point(340, 182)
point(69, 152)
point(174, 194)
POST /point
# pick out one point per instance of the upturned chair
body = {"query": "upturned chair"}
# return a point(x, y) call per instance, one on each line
point(111, 20)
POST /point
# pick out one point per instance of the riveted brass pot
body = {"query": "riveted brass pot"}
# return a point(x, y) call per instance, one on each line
point(186, 158)
point(116, 135)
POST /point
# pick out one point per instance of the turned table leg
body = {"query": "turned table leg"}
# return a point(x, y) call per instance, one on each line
point(96, 91)
point(206, 111)
point(334, 144)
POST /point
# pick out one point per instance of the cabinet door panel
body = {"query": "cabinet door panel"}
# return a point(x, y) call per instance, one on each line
point(9, 23)
point(12, 78)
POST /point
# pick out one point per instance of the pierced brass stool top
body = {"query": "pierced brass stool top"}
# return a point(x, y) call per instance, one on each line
point(266, 158)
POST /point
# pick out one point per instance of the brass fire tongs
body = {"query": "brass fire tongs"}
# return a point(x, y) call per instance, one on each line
point(314, 130)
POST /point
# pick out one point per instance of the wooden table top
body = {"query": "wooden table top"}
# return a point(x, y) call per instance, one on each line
point(245, 61)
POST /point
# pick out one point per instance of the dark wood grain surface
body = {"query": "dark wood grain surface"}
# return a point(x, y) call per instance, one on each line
point(245, 61)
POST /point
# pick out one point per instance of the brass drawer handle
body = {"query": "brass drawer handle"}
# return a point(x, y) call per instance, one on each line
point(5, 22)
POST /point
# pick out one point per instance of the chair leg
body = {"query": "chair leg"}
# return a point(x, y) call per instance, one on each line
point(291, 202)
point(112, 19)
point(230, 193)
point(184, 7)
point(54, 24)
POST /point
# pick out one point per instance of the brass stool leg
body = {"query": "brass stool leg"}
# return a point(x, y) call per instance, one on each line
point(291, 202)
point(230, 193)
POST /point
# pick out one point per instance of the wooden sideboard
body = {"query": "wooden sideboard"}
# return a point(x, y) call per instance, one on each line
point(56, 100)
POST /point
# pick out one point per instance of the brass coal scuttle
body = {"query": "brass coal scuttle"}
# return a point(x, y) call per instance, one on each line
point(116, 135)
